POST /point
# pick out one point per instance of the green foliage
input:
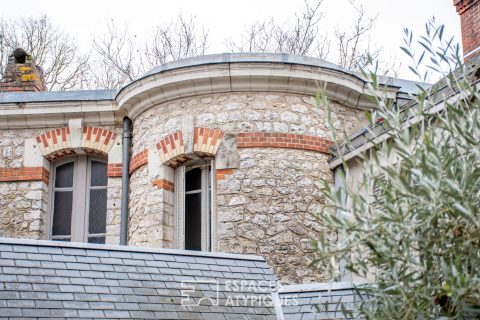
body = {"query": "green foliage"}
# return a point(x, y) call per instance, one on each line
point(417, 238)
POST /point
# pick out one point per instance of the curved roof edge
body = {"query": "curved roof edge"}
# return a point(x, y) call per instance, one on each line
point(405, 86)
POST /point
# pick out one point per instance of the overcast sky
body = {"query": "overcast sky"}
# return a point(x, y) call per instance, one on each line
point(227, 19)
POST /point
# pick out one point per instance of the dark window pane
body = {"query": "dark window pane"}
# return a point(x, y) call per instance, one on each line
point(96, 240)
point(193, 179)
point(97, 214)
point(99, 174)
point(63, 240)
point(193, 221)
point(62, 213)
point(64, 176)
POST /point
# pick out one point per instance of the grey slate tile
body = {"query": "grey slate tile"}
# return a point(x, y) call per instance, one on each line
point(17, 286)
point(67, 313)
point(42, 272)
point(60, 295)
point(11, 312)
point(86, 297)
point(58, 280)
point(36, 312)
point(63, 258)
point(103, 305)
point(13, 255)
point(142, 315)
point(120, 254)
point(97, 289)
point(77, 266)
point(71, 288)
point(82, 281)
point(7, 262)
point(48, 304)
point(117, 314)
point(27, 263)
point(75, 304)
point(20, 248)
point(112, 297)
point(94, 314)
point(92, 274)
point(123, 268)
point(74, 251)
point(21, 303)
point(111, 260)
point(15, 270)
point(50, 250)
point(116, 275)
point(39, 256)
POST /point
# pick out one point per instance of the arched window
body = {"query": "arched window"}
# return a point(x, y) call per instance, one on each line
point(193, 194)
point(79, 199)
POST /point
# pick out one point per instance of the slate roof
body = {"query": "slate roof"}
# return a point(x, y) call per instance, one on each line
point(319, 301)
point(58, 280)
point(57, 96)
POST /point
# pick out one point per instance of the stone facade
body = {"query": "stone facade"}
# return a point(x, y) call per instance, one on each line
point(25, 194)
point(267, 205)
point(23, 203)
point(241, 112)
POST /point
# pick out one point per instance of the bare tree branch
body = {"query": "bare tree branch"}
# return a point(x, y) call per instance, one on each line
point(122, 58)
point(302, 38)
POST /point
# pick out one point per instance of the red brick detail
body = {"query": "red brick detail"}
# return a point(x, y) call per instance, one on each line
point(469, 11)
point(206, 141)
point(138, 160)
point(56, 143)
point(114, 170)
point(172, 149)
point(221, 173)
point(164, 184)
point(24, 174)
point(283, 140)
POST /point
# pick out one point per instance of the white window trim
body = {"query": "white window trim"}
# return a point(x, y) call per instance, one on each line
point(80, 200)
point(208, 210)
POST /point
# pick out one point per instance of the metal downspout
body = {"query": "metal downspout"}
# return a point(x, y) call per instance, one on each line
point(127, 138)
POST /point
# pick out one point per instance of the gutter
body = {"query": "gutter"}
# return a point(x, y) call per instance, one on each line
point(127, 139)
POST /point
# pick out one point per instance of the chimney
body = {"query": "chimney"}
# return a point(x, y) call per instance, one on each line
point(469, 11)
point(21, 74)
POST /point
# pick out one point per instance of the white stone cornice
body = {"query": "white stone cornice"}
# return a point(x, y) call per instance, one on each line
point(57, 114)
point(347, 89)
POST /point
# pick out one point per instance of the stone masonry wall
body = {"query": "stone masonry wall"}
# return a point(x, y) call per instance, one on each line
point(242, 112)
point(23, 204)
point(267, 207)
point(114, 195)
point(150, 222)
point(23, 209)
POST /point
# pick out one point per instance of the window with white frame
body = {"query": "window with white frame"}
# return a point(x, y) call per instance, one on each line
point(79, 200)
point(193, 193)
